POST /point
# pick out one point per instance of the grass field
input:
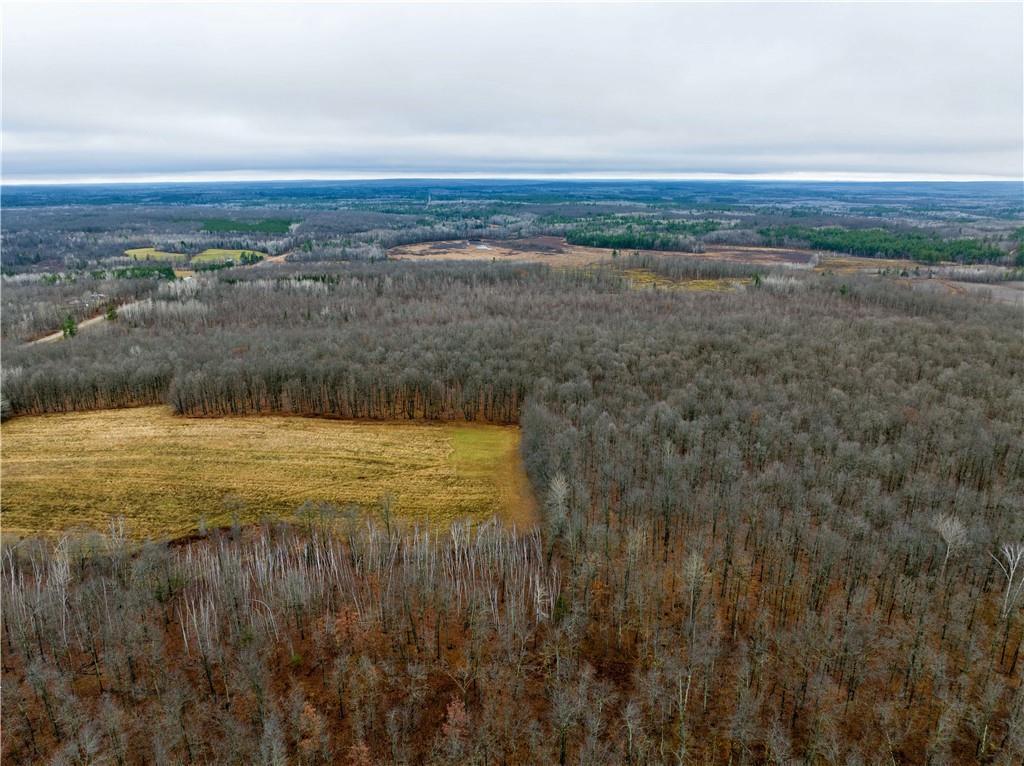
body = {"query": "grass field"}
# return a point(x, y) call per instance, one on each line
point(152, 254)
point(162, 472)
point(219, 255)
point(211, 255)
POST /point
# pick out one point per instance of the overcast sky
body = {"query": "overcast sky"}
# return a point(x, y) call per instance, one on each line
point(184, 90)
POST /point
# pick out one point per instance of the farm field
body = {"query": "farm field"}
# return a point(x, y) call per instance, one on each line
point(162, 472)
point(210, 255)
point(219, 255)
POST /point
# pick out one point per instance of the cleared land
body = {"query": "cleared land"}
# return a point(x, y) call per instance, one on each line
point(644, 278)
point(219, 255)
point(210, 255)
point(59, 334)
point(160, 472)
point(555, 251)
point(551, 250)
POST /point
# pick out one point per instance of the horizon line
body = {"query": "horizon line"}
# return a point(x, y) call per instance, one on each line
point(255, 176)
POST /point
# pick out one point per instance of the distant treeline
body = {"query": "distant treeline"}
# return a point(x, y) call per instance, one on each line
point(157, 271)
point(264, 226)
point(881, 243)
point(642, 235)
point(79, 229)
point(689, 267)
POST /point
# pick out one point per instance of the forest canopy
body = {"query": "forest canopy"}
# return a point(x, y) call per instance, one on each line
point(779, 520)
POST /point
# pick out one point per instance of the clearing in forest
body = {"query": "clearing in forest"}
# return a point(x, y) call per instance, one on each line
point(555, 251)
point(220, 255)
point(162, 472)
point(210, 255)
point(645, 278)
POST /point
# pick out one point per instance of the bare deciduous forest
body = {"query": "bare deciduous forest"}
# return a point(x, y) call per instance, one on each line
point(779, 522)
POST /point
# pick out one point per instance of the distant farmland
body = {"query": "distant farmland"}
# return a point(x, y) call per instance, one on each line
point(208, 256)
point(161, 472)
point(220, 255)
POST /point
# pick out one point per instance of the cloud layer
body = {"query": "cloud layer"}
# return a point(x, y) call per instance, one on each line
point(930, 90)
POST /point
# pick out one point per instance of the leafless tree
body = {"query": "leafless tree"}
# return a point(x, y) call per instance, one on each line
point(953, 534)
point(1013, 556)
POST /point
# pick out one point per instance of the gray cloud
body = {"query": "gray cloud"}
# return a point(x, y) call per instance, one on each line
point(111, 90)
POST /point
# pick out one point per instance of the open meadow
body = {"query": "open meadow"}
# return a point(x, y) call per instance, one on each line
point(163, 473)
point(221, 255)
point(207, 256)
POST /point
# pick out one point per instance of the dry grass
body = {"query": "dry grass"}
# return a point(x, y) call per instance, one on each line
point(850, 264)
point(162, 473)
point(219, 255)
point(210, 255)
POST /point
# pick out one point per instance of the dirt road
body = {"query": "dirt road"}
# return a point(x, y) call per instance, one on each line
point(55, 336)
point(83, 325)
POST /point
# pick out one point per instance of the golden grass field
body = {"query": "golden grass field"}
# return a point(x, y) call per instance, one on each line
point(850, 264)
point(210, 255)
point(162, 472)
point(643, 278)
point(219, 255)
